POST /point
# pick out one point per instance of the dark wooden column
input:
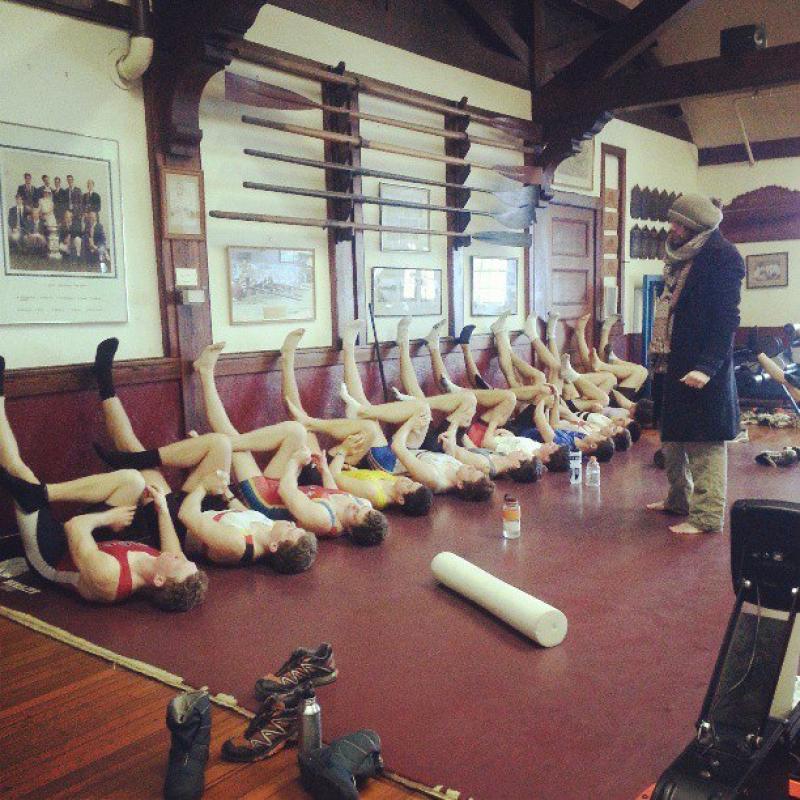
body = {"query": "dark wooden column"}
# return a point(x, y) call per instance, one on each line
point(456, 221)
point(345, 247)
point(193, 41)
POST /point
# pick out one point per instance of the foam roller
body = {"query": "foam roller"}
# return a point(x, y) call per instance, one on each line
point(539, 621)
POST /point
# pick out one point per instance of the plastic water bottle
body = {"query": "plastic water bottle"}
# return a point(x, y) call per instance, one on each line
point(593, 472)
point(310, 722)
point(575, 466)
point(512, 515)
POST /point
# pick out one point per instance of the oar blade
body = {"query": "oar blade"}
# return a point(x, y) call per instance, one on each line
point(262, 95)
point(523, 174)
point(505, 238)
point(517, 198)
point(516, 218)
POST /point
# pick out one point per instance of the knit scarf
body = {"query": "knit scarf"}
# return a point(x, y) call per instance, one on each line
point(677, 266)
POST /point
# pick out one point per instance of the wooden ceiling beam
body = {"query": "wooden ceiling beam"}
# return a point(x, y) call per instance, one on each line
point(501, 27)
point(773, 66)
point(613, 49)
point(601, 10)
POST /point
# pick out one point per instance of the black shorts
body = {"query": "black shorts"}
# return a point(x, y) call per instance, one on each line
point(45, 543)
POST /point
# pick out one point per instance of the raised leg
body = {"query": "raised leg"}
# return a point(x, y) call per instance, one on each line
point(605, 332)
point(408, 375)
point(580, 340)
point(437, 363)
point(283, 440)
point(243, 464)
point(291, 394)
point(352, 377)
point(543, 353)
point(504, 351)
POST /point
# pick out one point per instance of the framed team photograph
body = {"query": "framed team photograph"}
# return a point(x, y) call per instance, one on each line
point(402, 217)
point(61, 259)
point(494, 286)
point(768, 271)
point(401, 292)
point(271, 284)
point(183, 209)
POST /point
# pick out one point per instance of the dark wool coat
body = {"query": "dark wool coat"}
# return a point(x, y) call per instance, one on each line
point(706, 319)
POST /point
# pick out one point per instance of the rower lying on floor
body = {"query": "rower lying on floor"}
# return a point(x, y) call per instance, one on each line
point(497, 406)
point(323, 509)
point(207, 518)
point(362, 445)
point(67, 554)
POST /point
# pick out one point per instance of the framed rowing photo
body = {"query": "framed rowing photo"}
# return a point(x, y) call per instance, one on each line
point(183, 207)
point(61, 253)
point(494, 286)
point(402, 292)
point(271, 284)
point(768, 271)
point(405, 217)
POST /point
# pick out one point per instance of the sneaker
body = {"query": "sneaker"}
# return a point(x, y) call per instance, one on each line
point(273, 727)
point(189, 723)
point(314, 666)
point(778, 458)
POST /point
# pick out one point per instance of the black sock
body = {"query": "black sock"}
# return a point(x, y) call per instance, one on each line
point(117, 459)
point(2, 375)
point(466, 334)
point(480, 383)
point(103, 364)
point(29, 497)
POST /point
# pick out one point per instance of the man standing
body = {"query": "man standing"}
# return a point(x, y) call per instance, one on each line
point(692, 347)
point(74, 198)
point(91, 200)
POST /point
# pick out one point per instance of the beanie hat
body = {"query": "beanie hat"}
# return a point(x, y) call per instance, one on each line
point(696, 212)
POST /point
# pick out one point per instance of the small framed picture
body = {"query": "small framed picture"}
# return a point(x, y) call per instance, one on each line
point(271, 284)
point(403, 217)
point(183, 208)
point(400, 292)
point(768, 270)
point(494, 286)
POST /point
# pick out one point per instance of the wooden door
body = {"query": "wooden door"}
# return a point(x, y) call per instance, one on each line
point(572, 275)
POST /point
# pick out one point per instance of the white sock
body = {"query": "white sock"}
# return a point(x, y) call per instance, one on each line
point(499, 325)
point(567, 371)
point(448, 386)
point(531, 327)
point(398, 395)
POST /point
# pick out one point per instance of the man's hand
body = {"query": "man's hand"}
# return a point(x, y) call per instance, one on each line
point(695, 379)
point(119, 518)
point(351, 445)
point(216, 482)
point(448, 443)
point(158, 497)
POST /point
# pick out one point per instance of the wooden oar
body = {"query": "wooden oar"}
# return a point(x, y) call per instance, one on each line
point(522, 174)
point(523, 196)
point(265, 95)
point(513, 218)
point(505, 238)
point(269, 57)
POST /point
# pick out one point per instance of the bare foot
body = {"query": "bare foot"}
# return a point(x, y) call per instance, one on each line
point(291, 341)
point(687, 527)
point(567, 371)
point(499, 325)
point(350, 333)
point(207, 360)
point(351, 405)
point(402, 331)
point(531, 327)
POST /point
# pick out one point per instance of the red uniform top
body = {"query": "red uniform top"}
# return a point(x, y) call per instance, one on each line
point(119, 551)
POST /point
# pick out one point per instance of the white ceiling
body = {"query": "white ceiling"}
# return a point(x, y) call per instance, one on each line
point(771, 114)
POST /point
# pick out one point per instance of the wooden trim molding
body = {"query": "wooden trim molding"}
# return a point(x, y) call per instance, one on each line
point(788, 147)
point(767, 214)
point(80, 377)
point(102, 12)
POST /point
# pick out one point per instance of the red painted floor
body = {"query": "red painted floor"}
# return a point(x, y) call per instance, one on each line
point(458, 698)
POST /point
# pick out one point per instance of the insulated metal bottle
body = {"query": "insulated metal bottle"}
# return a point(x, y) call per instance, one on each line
point(310, 722)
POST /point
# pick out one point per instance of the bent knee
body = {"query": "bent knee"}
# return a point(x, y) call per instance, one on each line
point(132, 482)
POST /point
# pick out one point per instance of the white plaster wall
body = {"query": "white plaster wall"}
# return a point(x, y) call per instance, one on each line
point(769, 307)
point(58, 75)
point(224, 137)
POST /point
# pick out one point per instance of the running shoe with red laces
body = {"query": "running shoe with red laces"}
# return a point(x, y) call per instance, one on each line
point(273, 727)
point(316, 667)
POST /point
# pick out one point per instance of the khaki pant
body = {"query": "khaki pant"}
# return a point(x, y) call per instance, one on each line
point(698, 477)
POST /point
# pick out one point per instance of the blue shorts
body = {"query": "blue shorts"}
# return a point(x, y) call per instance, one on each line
point(562, 437)
point(381, 458)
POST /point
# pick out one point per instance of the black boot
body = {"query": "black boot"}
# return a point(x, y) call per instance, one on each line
point(334, 772)
point(189, 721)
